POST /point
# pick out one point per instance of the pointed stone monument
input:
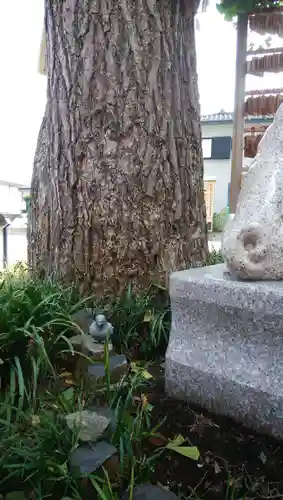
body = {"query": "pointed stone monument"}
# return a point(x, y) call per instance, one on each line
point(253, 240)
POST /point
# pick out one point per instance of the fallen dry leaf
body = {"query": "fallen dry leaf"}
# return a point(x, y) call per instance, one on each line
point(158, 440)
point(69, 382)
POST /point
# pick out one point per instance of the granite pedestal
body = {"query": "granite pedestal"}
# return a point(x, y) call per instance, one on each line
point(226, 346)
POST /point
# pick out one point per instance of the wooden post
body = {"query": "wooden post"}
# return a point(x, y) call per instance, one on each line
point(5, 245)
point(239, 111)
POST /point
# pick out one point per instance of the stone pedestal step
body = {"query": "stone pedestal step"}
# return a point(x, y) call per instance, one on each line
point(226, 346)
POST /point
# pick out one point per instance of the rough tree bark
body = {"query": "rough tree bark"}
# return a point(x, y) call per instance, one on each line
point(117, 190)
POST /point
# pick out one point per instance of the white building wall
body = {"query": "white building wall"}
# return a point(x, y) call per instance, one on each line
point(219, 169)
point(217, 130)
point(10, 199)
point(17, 246)
point(12, 204)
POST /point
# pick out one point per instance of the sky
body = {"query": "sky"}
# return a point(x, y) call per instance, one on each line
point(216, 60)
point(23, 90)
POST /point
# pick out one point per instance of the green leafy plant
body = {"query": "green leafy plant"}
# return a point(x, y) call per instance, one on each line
point(219, 220)
point(231, 8)
point(27, 200)
point(214, 257)
point(141, 322)
point(176, 445)
point(34, 325)
point(37, 461)
point(47, 415)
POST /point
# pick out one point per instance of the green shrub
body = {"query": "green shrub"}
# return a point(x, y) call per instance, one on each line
point(35, 325)
point(219, 221)
point(214, 257)
point(141, 322)
point(34, 322)
point(35, 441)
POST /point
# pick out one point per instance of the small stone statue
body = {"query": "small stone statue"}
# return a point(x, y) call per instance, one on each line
point(100, 329)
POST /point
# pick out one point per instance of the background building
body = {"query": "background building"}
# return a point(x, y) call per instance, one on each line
point(13, 224)
point(217, 131)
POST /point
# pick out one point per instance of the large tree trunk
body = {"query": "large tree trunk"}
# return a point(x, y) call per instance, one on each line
point(117, 190)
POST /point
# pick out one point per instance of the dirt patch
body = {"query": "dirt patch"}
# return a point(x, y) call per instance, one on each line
point(235, 462)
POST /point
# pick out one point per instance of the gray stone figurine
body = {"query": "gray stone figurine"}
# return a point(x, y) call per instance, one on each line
point(101, 329)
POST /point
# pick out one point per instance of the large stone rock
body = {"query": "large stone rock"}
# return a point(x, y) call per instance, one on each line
point(82, 319)
point(253, 239)
point(226, 346)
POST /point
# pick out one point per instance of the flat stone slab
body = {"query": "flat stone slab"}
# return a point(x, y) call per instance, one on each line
point(86, 345)
point(83, 319)
point(118, 366)
point(226, 346)
point(87, 458)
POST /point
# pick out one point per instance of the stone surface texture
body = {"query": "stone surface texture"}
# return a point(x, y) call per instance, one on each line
point(82, 319)
point(252, 242)
point(87, 458)
point(86, 344)
point(118, 366)
point(226, 346)
point(90, 425)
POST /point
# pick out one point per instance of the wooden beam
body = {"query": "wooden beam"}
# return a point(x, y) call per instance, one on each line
point(263, 92)
point(262, 52)
point(239, 111)
point(266, 11)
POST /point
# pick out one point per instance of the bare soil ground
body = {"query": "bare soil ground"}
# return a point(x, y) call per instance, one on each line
point(235, 462)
